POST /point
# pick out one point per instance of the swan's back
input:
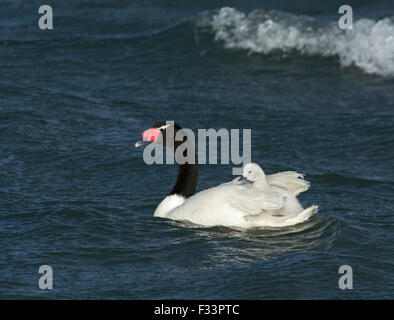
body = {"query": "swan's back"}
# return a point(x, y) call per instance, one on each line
point(212, 207)
point(240, 205)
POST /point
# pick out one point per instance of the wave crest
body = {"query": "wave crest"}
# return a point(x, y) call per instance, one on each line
point(369, 45)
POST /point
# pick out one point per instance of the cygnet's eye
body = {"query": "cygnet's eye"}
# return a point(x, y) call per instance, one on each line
point(250, 172)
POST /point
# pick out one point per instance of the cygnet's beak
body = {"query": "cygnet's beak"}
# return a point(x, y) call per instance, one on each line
point(242, 179)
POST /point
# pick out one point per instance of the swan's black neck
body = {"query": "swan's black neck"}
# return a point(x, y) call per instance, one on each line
point(186, 182)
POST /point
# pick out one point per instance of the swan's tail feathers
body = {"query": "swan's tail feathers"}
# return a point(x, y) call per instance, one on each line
point(303, 215)
point(291, 181)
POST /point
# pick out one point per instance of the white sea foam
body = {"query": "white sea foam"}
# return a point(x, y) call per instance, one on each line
point(369, 45)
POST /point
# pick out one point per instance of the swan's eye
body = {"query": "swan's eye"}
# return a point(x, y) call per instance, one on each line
point(250, 171)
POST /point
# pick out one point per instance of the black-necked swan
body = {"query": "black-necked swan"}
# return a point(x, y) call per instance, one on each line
point(253, 200)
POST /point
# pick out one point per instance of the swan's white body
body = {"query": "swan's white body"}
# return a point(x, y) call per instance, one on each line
point(259, 201)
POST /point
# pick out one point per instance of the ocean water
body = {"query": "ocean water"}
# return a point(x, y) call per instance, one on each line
point(76, 195)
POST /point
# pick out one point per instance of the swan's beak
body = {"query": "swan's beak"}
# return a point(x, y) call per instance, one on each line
point(141, 143)
point(148, 136)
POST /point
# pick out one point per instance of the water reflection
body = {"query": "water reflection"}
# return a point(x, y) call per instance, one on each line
point(220, 245)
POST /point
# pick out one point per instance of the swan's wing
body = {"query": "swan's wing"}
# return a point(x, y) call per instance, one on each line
point(273, 219)
point(253, 201)
point(291, 181)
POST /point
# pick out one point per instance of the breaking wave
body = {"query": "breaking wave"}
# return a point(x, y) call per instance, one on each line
point(369, 45)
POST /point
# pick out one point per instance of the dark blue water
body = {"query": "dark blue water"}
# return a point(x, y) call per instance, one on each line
point(75, 194)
